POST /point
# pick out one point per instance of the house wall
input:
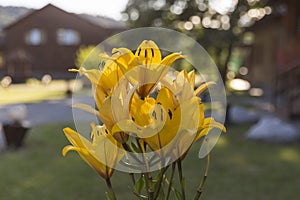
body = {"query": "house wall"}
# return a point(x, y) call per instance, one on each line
point(276, 46)
point(264, 65)
point(51, 57)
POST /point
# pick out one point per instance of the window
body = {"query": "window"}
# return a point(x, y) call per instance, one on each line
point(35, 37)
point(67, 37)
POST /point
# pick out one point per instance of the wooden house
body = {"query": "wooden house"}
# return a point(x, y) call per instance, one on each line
point(274, 62)
point(46, 40)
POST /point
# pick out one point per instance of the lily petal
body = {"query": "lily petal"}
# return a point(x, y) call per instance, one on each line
point(204, 87)
point(148, 52)
point(168, 60)
point(86, 108)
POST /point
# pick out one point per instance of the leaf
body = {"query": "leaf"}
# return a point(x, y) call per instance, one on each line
point(178, 195)
point(140, 184)
point(135, 148)
point(156, 181)
point(140, 196)
point(162, 193)
point(183, 182)
point(108, 197)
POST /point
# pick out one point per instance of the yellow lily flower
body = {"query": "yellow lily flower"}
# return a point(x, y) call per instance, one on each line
point(147, 66)
point(103, 83)
point(208, 124)
point(170, 121)
point(121, 62)
point(179, 130)
point(157, 121)
point(180, 117)
point(102, 154)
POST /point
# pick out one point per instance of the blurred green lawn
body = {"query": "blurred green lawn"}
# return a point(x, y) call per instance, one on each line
point(35, 92)
point(240, 169)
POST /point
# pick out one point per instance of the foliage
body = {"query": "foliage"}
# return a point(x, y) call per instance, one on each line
point(87, 57)
point(39, 170)
point(216, 25)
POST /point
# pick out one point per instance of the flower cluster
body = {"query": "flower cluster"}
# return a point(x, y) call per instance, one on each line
point(144, 107)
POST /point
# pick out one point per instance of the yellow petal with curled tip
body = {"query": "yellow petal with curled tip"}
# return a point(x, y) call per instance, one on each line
point(168, 60)
point(94, 154)
point(209, 123)
point(68, 148)
point(204, 87)
point(73, 137)
point(100, 168)
point(93, 74)
point(86, 108)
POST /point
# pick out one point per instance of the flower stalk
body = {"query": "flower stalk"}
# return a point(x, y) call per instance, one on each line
point(159, 181)
point(132, 178)
point(112, 193)
point(181, 179)
point(200, 188)
point(171, 180)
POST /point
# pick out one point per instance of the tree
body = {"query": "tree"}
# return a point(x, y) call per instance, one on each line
point(88, 57)
point(217, 25)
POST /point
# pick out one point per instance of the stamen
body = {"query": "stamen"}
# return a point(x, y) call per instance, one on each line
point(170, 113)
point(152, 51)
point(161, 115)
point(154, 115)
point(139, 52)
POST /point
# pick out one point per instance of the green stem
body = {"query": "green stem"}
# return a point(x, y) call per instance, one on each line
point(127, 148)
point(171, 180)
point(147, 175)
point(181, 178)
point(132, 178)
point(159, 182)
point(149, 186)
point(108, 183)
point(148, 179)
point(200, 188)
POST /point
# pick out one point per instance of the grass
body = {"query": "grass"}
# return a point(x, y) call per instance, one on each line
point(34, 92)
point(240, 169)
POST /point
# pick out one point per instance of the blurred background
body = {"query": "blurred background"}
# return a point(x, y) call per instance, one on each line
point(254, 43)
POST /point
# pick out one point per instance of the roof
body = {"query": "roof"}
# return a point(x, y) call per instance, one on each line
point(103, 21)
point(10, 14)
point(100, 21)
